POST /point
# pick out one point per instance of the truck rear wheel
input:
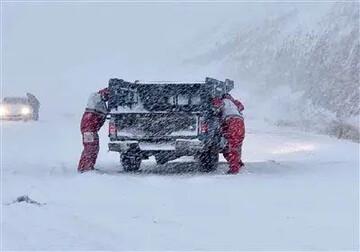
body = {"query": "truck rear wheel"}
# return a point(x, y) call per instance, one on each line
point(130, 160)
point(209, 159)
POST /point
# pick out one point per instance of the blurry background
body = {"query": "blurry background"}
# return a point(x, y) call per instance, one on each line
point(295, 64)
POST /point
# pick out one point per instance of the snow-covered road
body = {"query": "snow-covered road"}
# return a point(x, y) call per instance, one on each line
point(299, 191)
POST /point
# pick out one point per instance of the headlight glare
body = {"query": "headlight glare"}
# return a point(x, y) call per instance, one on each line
point(3, 111)
point(25, 110)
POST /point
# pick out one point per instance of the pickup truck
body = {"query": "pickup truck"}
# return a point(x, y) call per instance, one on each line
point(167, 120)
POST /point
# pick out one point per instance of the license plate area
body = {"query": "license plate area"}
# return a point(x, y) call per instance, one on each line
point(157, 125)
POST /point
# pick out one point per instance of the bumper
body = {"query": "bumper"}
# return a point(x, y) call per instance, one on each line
point(179, 146)
point(17, 117)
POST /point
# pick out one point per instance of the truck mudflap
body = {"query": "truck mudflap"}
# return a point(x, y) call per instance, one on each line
point(179, 146)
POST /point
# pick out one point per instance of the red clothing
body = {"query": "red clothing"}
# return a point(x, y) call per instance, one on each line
point(234, 132)
point(91, 123)
point(104, 93)
point(233, 129)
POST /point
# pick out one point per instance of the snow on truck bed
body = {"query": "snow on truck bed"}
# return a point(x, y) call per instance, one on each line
point(299, 192)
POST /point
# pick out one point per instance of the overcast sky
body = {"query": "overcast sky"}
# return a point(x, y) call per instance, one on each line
point(63, 51)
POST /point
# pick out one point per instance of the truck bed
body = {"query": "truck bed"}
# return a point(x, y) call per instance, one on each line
point(163, 96)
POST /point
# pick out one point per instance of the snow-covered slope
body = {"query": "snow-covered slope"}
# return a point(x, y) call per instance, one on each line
point(298, 192)
point(314, 55)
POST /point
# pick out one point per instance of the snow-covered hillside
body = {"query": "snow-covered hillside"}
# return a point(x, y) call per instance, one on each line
point(313, 55)
point(298, 192)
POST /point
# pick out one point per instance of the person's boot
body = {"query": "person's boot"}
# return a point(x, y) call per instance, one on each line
point(236, 169)
point(232, 171)
point(86, 170)
point(241, 164)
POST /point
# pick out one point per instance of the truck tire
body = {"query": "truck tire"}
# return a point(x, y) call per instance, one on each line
point(160, 160)
point(209, 159)
point(130, 160)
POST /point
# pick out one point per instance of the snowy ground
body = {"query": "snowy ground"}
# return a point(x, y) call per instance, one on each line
point(299, 192)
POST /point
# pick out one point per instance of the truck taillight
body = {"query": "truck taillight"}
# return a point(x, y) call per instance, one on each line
point(203, 127)
point(112, 129)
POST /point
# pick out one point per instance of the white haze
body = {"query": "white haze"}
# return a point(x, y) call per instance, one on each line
point(63, 51)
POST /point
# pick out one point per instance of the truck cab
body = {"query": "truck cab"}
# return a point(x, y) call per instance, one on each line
point(166, 120)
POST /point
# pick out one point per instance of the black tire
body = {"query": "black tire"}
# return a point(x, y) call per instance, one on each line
point(160, 160)
point(209, 159)
point(131, 160)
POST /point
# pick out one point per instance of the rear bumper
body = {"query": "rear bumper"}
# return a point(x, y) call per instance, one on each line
point(188, 147)
point(180, 146)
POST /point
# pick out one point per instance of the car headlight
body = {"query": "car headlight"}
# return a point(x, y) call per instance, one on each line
point(25, 110)
point(3, 111)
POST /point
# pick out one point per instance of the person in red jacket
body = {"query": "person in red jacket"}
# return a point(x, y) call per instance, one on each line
point(232, 128)
point(92, 120)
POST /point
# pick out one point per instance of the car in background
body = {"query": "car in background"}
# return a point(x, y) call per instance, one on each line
point(16, 109)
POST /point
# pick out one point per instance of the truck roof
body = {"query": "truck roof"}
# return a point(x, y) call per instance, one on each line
point(15, 100)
